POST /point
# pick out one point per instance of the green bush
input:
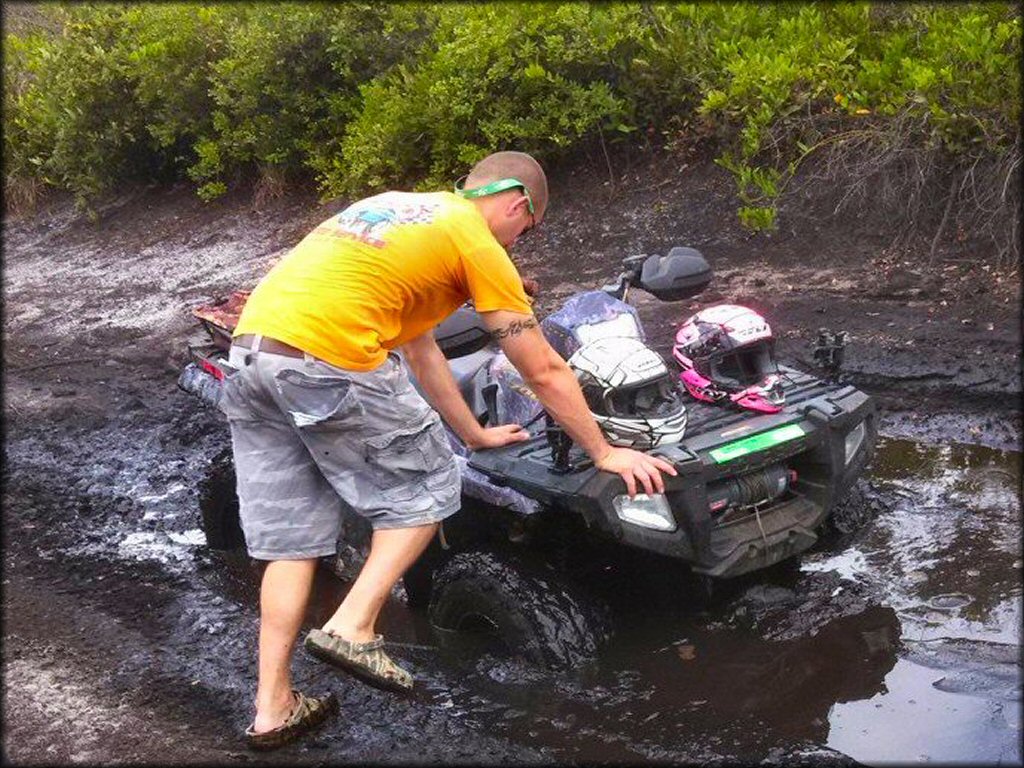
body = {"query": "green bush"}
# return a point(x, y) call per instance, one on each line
point(25, 147)
point(269, 85)
point(534, 76)
point(365, 41)
point(362, 96)
point(119, 93)
point(952, 67)
point(169, 51)
point(288, 83)
point(67, 118)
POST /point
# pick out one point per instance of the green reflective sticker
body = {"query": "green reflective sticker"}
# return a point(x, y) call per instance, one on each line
point(755, 443)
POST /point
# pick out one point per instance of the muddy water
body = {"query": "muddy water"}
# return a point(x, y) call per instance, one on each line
point(929, 670)
point(900, 643)
point(947, 558)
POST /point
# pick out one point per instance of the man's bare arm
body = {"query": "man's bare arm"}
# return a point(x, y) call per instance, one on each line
point(432, 372)
point(555, 385)
point(514, 328)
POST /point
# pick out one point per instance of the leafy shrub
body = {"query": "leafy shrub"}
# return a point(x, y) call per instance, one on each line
point(115, 95)
point(67, 110)
point(268, 85)
point(25, 149)
point(287, 84)
point(364, 95)
point(169, 50)
point(533, 76)
point(953, 67)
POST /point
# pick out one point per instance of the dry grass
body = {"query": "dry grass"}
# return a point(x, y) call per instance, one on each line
point(22, 196)
point(918, 190)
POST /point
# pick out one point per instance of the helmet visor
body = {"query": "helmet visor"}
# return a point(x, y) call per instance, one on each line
point(658, 398)
point(745, 366)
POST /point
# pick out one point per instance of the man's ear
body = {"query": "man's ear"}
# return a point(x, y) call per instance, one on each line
point(510, 209)
point(521, 200)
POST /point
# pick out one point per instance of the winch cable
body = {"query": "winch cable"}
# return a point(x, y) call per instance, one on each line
point(757, 516)
point(757, 486)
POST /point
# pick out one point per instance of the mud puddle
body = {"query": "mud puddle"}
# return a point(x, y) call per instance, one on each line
point(929, 670)
point(900, 643)
point(947, 559)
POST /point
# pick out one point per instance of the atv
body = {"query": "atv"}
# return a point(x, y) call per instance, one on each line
point(752, 489)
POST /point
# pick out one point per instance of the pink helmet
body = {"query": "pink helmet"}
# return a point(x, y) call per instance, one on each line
point(727, 353)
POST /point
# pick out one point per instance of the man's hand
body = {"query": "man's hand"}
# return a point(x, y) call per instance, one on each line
point(633, 465)
point(495, 437)
point(555, 385)
point(435, 377)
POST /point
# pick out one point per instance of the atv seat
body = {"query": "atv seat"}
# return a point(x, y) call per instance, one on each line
point(220, 317)
point(461, 333)
point(470, 373)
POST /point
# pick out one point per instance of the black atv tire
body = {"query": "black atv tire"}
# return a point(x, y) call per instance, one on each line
point(853, 511)
point(218, 505)
point(419, 578)
point(533, 611)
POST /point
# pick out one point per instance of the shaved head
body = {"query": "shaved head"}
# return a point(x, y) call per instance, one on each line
point(514, 165)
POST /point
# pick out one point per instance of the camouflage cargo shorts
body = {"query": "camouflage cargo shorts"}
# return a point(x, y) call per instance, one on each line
point(308, 436)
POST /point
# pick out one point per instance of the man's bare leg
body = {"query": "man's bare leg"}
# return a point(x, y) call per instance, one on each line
point(284, 594)
point(392, 551)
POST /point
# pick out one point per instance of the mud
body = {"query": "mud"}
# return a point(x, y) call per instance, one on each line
point(127, 640)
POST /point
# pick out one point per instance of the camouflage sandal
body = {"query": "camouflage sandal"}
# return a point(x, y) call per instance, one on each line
point(309, 712)
point(367, 661)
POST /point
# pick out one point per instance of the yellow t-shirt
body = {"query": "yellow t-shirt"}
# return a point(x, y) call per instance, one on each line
point(382, 272)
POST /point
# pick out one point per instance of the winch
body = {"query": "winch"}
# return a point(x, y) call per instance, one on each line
point(750, 490)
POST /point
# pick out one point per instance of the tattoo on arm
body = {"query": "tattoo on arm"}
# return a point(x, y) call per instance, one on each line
point(514, 328)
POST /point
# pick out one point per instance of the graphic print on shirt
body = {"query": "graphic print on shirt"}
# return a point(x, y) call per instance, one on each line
point(369, 220)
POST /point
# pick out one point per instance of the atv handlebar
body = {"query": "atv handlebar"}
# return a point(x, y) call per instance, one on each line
point(680, 274)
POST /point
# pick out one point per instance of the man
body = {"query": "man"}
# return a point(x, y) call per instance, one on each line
point(320, 408)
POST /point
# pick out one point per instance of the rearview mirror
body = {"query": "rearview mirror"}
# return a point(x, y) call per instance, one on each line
point(681, 274)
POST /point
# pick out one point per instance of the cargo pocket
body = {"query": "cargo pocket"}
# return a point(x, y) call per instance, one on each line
point(232, 402)
point(405, 458)
point(313, 400)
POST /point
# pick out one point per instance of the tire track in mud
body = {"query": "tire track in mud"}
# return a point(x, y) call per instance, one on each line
point(127, 636)
point(61, 683)
point(169, 631)
point(131, 650)
point(162, 636)
point(149, 624)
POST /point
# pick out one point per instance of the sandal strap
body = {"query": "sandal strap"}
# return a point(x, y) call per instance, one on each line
point(367, 658)
point(304, 705)
point(353, 647)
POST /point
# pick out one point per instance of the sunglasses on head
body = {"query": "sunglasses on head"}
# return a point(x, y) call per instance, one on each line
point(494, 188)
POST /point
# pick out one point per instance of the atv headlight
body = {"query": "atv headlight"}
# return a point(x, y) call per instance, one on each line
point(854, 438)
point(646, 511)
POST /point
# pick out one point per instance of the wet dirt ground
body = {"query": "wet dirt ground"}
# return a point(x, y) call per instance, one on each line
point(127, 640)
